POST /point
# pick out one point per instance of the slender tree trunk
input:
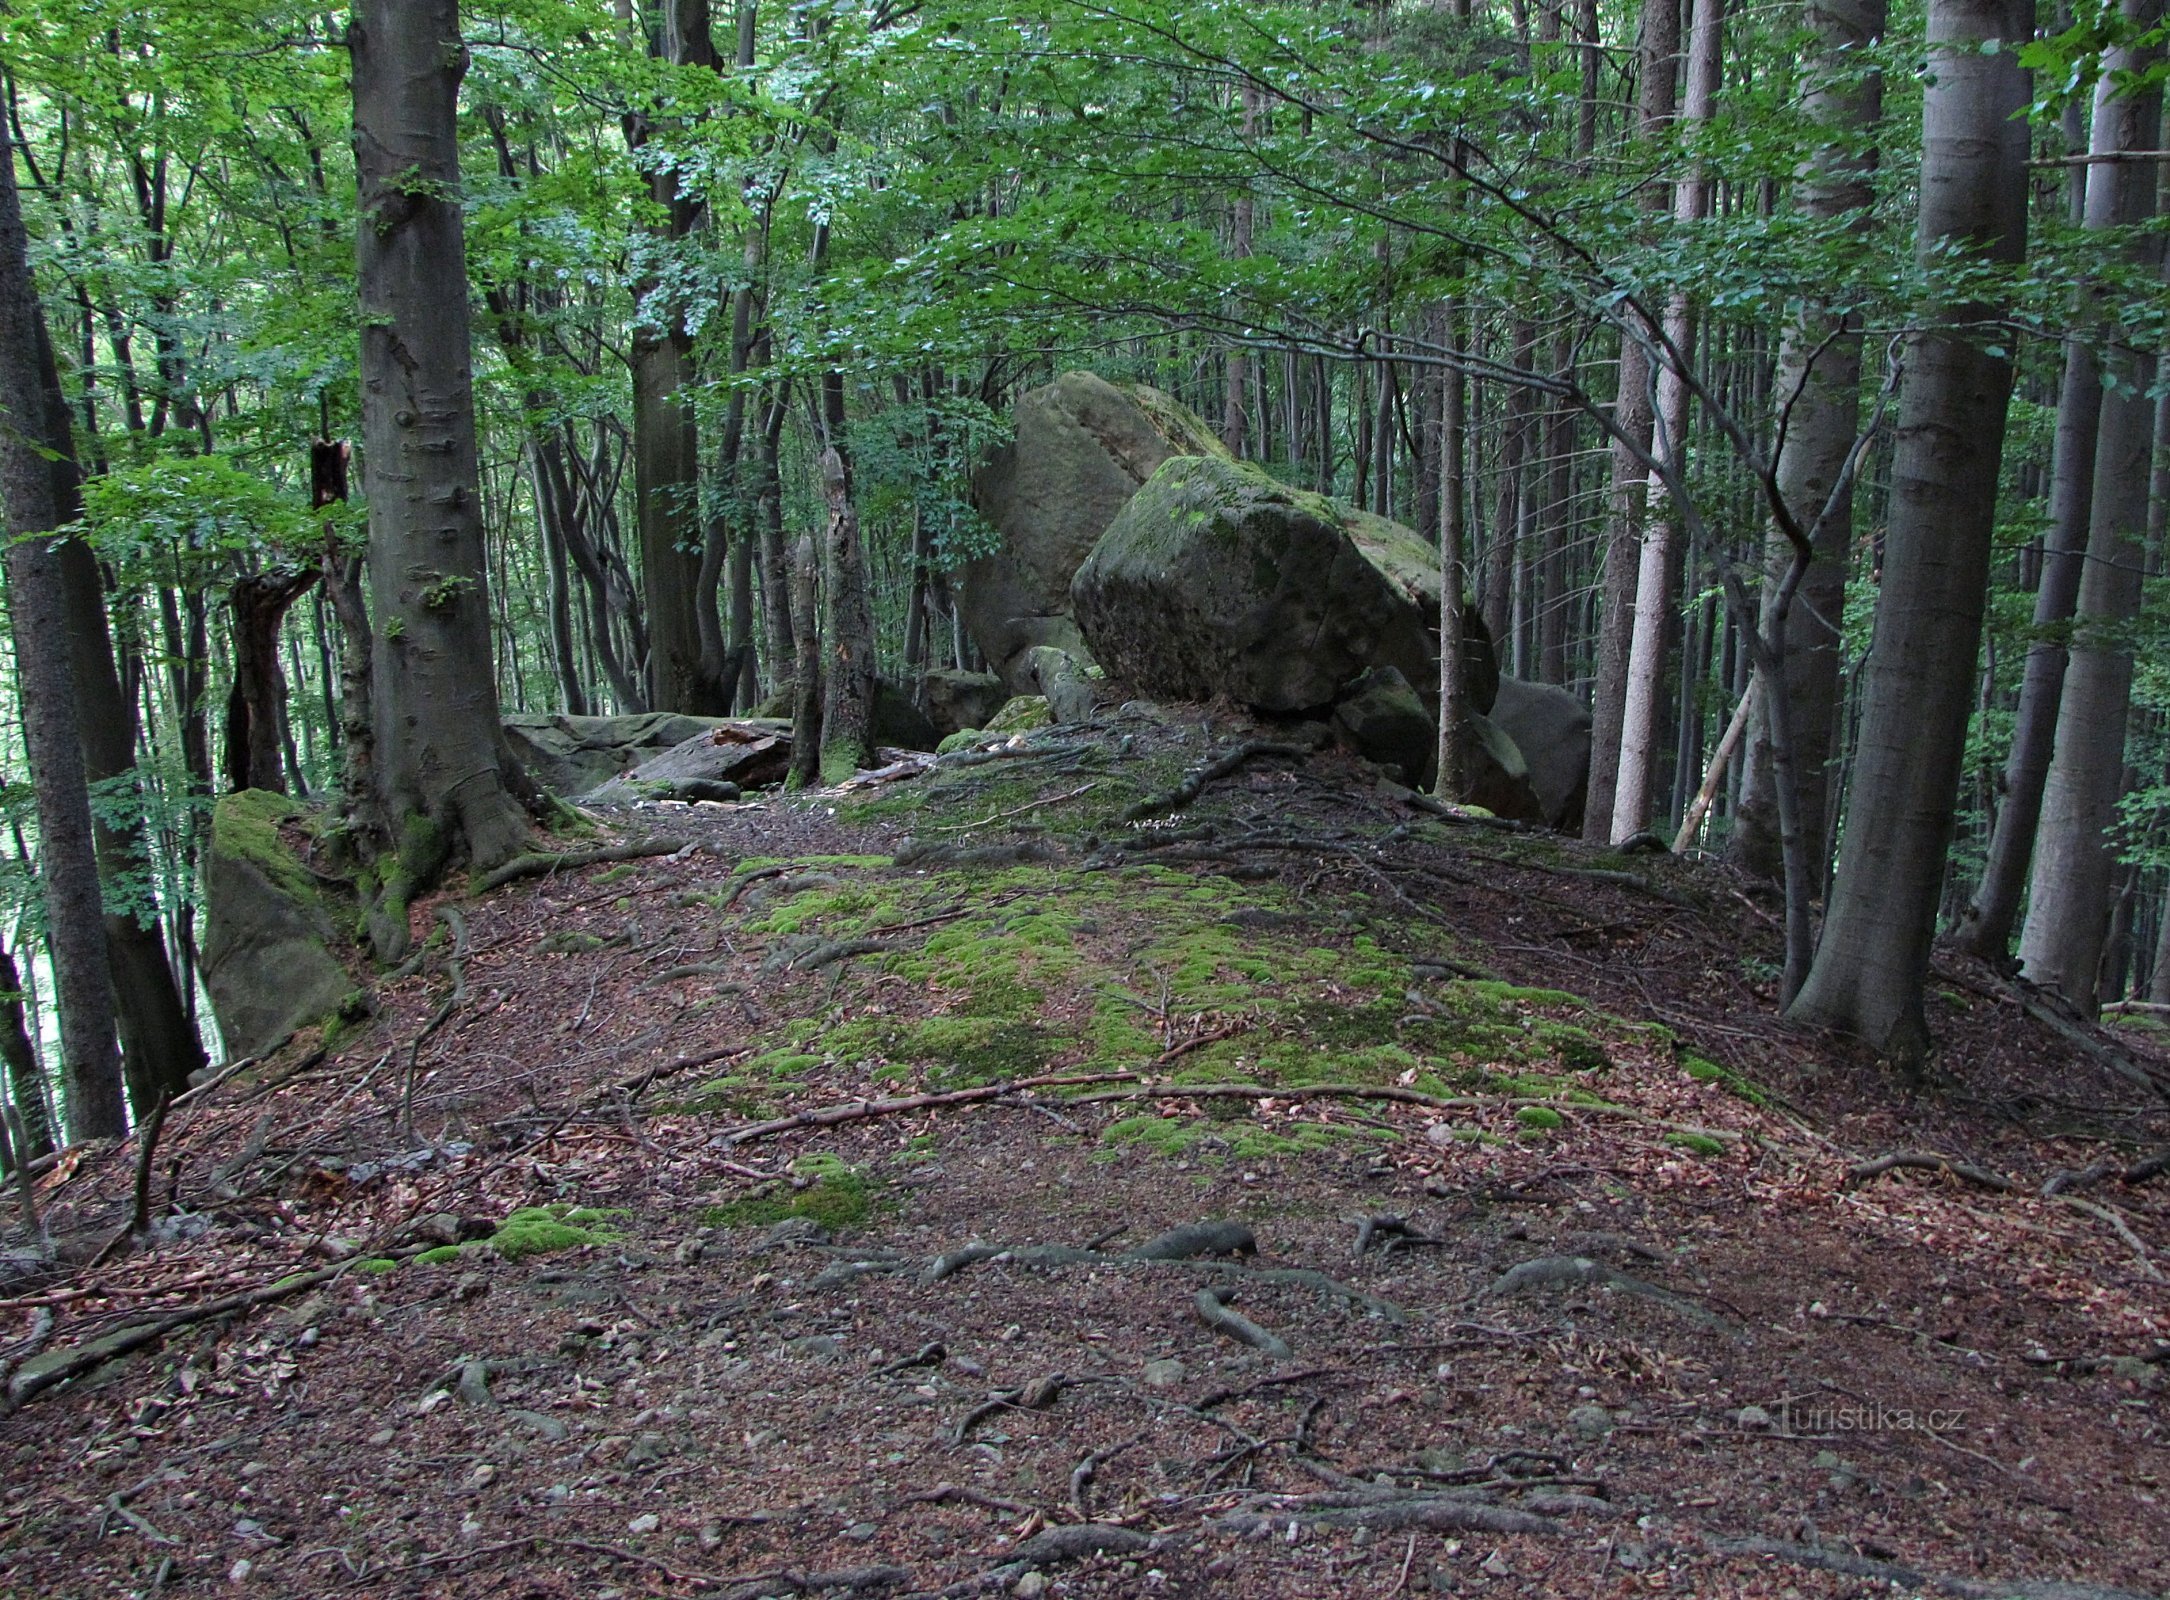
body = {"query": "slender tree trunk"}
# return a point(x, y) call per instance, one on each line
point(2068, 890)
point(25, 1082)
point(1657, 578)
point(1872, 961)
point(1657, 96)
point(1453, 780)
point(847, 630)
point(445, 782)
point(256, 706)
point(38, 610)
point(806, 670)
point(1819, 394)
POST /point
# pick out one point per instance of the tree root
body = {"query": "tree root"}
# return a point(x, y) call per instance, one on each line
point(1901, 1576)
point(539, 863)
point(1924, 1161)
point(1037, 1395)
point(2137, 1172)
point(1213, 1311)
point(1549, 1272)
point(1194, 782)
point(1438, 1513)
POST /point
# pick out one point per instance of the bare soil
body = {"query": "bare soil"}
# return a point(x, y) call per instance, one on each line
point(724, 1364)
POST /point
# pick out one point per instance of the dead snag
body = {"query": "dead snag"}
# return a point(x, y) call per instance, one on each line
point(1925, 1161)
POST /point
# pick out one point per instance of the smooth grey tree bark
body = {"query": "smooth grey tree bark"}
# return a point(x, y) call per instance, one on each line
point(1819, 397)
point(1657, 96)
point(445, 784)
point(1872, 960)
point(2068, 890)
point(1660, 558)
point(38, 611)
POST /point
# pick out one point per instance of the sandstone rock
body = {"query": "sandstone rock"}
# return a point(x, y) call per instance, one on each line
point(747, 753)
point(1021, 715)
point(1060, 679)
point(899, 723)
point(1218, 580)
point(960, 700)
point(269, 937)
point(1082, 447)
point(575, 755)
point(1499, 779)
point(1552, 730)
point(1384, 719)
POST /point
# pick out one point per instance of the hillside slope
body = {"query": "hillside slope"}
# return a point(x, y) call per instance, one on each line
point(634, 1234)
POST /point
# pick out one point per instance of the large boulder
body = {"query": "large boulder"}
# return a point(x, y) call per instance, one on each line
point(960, 700)
point(1218, 580)
point(269, 937)
point(1082, 447)
point(1383, 719)
point(898, 722)
point(1497, 775)
point(1551, 729)
point(574, 755)
point(748, 753)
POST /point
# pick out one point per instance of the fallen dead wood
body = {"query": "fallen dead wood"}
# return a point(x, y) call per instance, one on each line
point(2128, 1173)
point(858, 1110)
point(1552, 1272)
point(1194, 782)
point(537, 863)
point(24, 1387)
point(1926, 1161)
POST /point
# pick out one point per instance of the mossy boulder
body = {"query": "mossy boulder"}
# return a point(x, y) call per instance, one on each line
point(1383, 718)
point(1021, 715)
point(1218, 580)
point(1551, 728)
point(1497, 773)
point(958, 700)
point(574, 755)
point(1082, 446)
point(270, 943)
point(900, 724)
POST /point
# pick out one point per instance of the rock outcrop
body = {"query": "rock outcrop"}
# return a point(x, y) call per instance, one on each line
point(960, 700)
point(574, 755)
point(1551, 728)
point(1082, 447)
point(1217, 580)
point(269, 937)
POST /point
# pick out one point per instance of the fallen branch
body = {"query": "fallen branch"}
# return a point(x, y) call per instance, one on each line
point(1549, 1272)
point(1436, 1513)
point(540, 863)
point(858, 1110)
point(1194, 782)
point(1925, 1161)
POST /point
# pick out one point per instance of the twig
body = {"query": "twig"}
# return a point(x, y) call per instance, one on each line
point(1194, 782)
point(1018, 811)
point(2120, 1227)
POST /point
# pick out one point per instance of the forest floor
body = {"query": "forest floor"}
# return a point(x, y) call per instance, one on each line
point(1578, 1289)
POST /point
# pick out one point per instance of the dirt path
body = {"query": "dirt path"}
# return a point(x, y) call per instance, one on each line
point(1634, 1329)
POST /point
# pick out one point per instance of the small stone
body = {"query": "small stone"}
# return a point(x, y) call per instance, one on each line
point(647, 1448)
point(254, 1469)
point(1496, 1565)
point(1165, 1373)
point(711, 1536)
point(1752, 1417)
point(240, 1570)
point(1031, 1586)
point(814, 1347)
point(470, 1286)
point(688, 1251)
point(1828, 1461)
point(475, 1383)
point(1590, 1422)
point(383, 1437)
point(482, 1477)
point(646, 1522)
point(860, 1532)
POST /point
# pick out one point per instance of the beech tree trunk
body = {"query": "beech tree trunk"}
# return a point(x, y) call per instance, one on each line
point(1657, 576)
point(1872, 961)
point(847, 632)
point(1819, 394)
point(37, 605)
point(666, 438)
point(444, 782)
point(1656, 98)
point(2068, 891)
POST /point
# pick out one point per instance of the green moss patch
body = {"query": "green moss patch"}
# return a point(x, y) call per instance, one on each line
point(536, 1231)
point(836, 1195)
